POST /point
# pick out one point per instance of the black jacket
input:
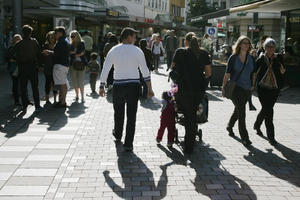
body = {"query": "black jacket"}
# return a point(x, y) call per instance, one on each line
point(62, 52)
point(262, 69)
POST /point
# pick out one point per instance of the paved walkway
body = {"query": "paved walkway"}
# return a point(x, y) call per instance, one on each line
point(71, 154)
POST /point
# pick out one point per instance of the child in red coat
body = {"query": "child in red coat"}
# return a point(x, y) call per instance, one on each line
point(167, 119)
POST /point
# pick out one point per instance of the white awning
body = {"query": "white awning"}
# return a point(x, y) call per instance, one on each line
point(274, 6)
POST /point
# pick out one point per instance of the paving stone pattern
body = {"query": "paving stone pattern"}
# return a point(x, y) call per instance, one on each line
point(71, 154)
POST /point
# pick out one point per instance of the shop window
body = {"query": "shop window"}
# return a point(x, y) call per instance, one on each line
point(255, 32)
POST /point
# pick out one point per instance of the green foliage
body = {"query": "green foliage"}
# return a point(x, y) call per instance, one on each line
point(197, 8)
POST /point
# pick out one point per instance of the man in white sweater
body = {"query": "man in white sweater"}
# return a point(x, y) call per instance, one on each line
point(126, 59)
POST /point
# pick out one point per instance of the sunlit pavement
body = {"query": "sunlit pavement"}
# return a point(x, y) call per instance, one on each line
point(71, 154)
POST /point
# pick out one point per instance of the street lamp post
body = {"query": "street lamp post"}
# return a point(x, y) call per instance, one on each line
point(18, 15)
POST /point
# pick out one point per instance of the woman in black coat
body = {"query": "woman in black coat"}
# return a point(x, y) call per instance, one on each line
point(269, 81)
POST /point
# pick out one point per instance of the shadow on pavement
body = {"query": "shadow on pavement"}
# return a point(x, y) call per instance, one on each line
point(211, 176)
point(287, 170)
point(55, 118)
point(137, 178)
point(150, 104)
point(18, 125)
point(76, 109)
point(289, 96)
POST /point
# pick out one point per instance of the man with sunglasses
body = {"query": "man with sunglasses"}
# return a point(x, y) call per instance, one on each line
point(126, 59)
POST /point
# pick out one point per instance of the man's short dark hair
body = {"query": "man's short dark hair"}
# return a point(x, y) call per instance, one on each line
point(127, 32)
point(60, 29)
point(27, 30)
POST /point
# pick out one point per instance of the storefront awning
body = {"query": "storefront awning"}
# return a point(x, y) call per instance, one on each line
point(274, 6)
point(212, 15)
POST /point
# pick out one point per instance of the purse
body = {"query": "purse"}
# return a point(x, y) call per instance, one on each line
point(230, 85)
point(78, 65)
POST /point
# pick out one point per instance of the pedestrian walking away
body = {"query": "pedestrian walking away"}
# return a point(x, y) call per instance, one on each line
point(167, 119)
point(78, 61)
point(61, 61)
point(88, 42)
point(193, 66)
point(28, 55)
point(241, 69)
point(126, 59)
point(269, 82)
point(157, 51)
point(13, 69)
point(171, 44)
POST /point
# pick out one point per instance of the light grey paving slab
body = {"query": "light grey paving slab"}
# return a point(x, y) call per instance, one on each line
point(5, 176)
point(16, 148)
point(21, 197)
point(26, 138)
point(58, 136)
point(48, 152)
point(29, 181)
point(52, 146)
point(41, 164)
point(20, 143)
point(45, 158)
point(23, 190)
point(35, 172)
point(13, 154)
point(8, 168)
point(11, 161)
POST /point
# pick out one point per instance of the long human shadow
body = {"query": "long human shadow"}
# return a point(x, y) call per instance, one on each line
point(150, 104)
point(76, 109)
point(209, 172)
point(137, 178)
point(286, 169)
point(55, 118)
point(20, 124)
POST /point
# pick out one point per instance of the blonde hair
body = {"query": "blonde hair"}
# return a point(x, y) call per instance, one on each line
point(48, 36)
point(237, 46)
point(16, 37)
point(77, 38)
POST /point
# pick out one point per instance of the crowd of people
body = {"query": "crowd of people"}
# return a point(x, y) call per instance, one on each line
point(126, 67)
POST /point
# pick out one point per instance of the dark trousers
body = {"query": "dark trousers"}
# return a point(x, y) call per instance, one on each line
point(33, 78)
point(189, 103)
point(169, 58)
point(267, 98)
point(93, 79)
point(156, 61)
point(49, 84)
point(171, 130)
point(240, 97)
point(15, 88)
point(125, 94)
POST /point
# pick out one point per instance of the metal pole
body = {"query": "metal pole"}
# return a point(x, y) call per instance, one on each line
point(18, 15)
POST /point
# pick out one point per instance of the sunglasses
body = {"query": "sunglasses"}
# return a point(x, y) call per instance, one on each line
point(246, 43)
point(72, 36)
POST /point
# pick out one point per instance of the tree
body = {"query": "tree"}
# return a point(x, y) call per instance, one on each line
point(198, 8)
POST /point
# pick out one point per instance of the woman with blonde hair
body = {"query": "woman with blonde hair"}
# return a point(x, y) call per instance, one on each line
point(193, 66)
point(48, 66)
point(241, 69)
point(78, 61)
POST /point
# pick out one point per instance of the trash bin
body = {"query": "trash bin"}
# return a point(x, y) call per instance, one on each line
point(218, 71)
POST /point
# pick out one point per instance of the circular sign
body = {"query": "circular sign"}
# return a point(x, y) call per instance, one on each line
point(211, 31)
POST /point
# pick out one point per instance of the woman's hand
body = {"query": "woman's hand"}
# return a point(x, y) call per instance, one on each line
point(252, 89)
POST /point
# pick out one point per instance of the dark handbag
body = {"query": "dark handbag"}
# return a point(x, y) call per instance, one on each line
point(174, 75)
point(78, 65)
point(230, 85)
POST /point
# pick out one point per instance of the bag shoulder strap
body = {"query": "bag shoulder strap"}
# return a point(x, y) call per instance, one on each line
point(237, 78)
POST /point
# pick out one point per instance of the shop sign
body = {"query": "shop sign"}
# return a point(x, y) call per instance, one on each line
point(112, 13)
point(230, 28)
point(67, 22)
point(294, 19)
point(149, 21)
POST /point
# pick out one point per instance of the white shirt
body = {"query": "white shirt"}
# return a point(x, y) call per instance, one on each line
point(156, 48)
point(126, 59)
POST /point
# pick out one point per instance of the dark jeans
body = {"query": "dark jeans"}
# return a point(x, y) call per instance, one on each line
point(49, 84)
point(156, 61)
point(33, 78)
point(169, 58)
point(15, 88)
point(267, 98)
point(240, 97)
point(189, 103)
point(93, 79)
point(125, 94)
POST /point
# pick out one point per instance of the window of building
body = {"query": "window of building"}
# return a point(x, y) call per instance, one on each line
point(159, 4)
point(152, 4)
point(223, 5)
point(149, 3)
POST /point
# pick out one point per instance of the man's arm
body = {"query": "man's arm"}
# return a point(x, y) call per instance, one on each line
point(105, 71)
